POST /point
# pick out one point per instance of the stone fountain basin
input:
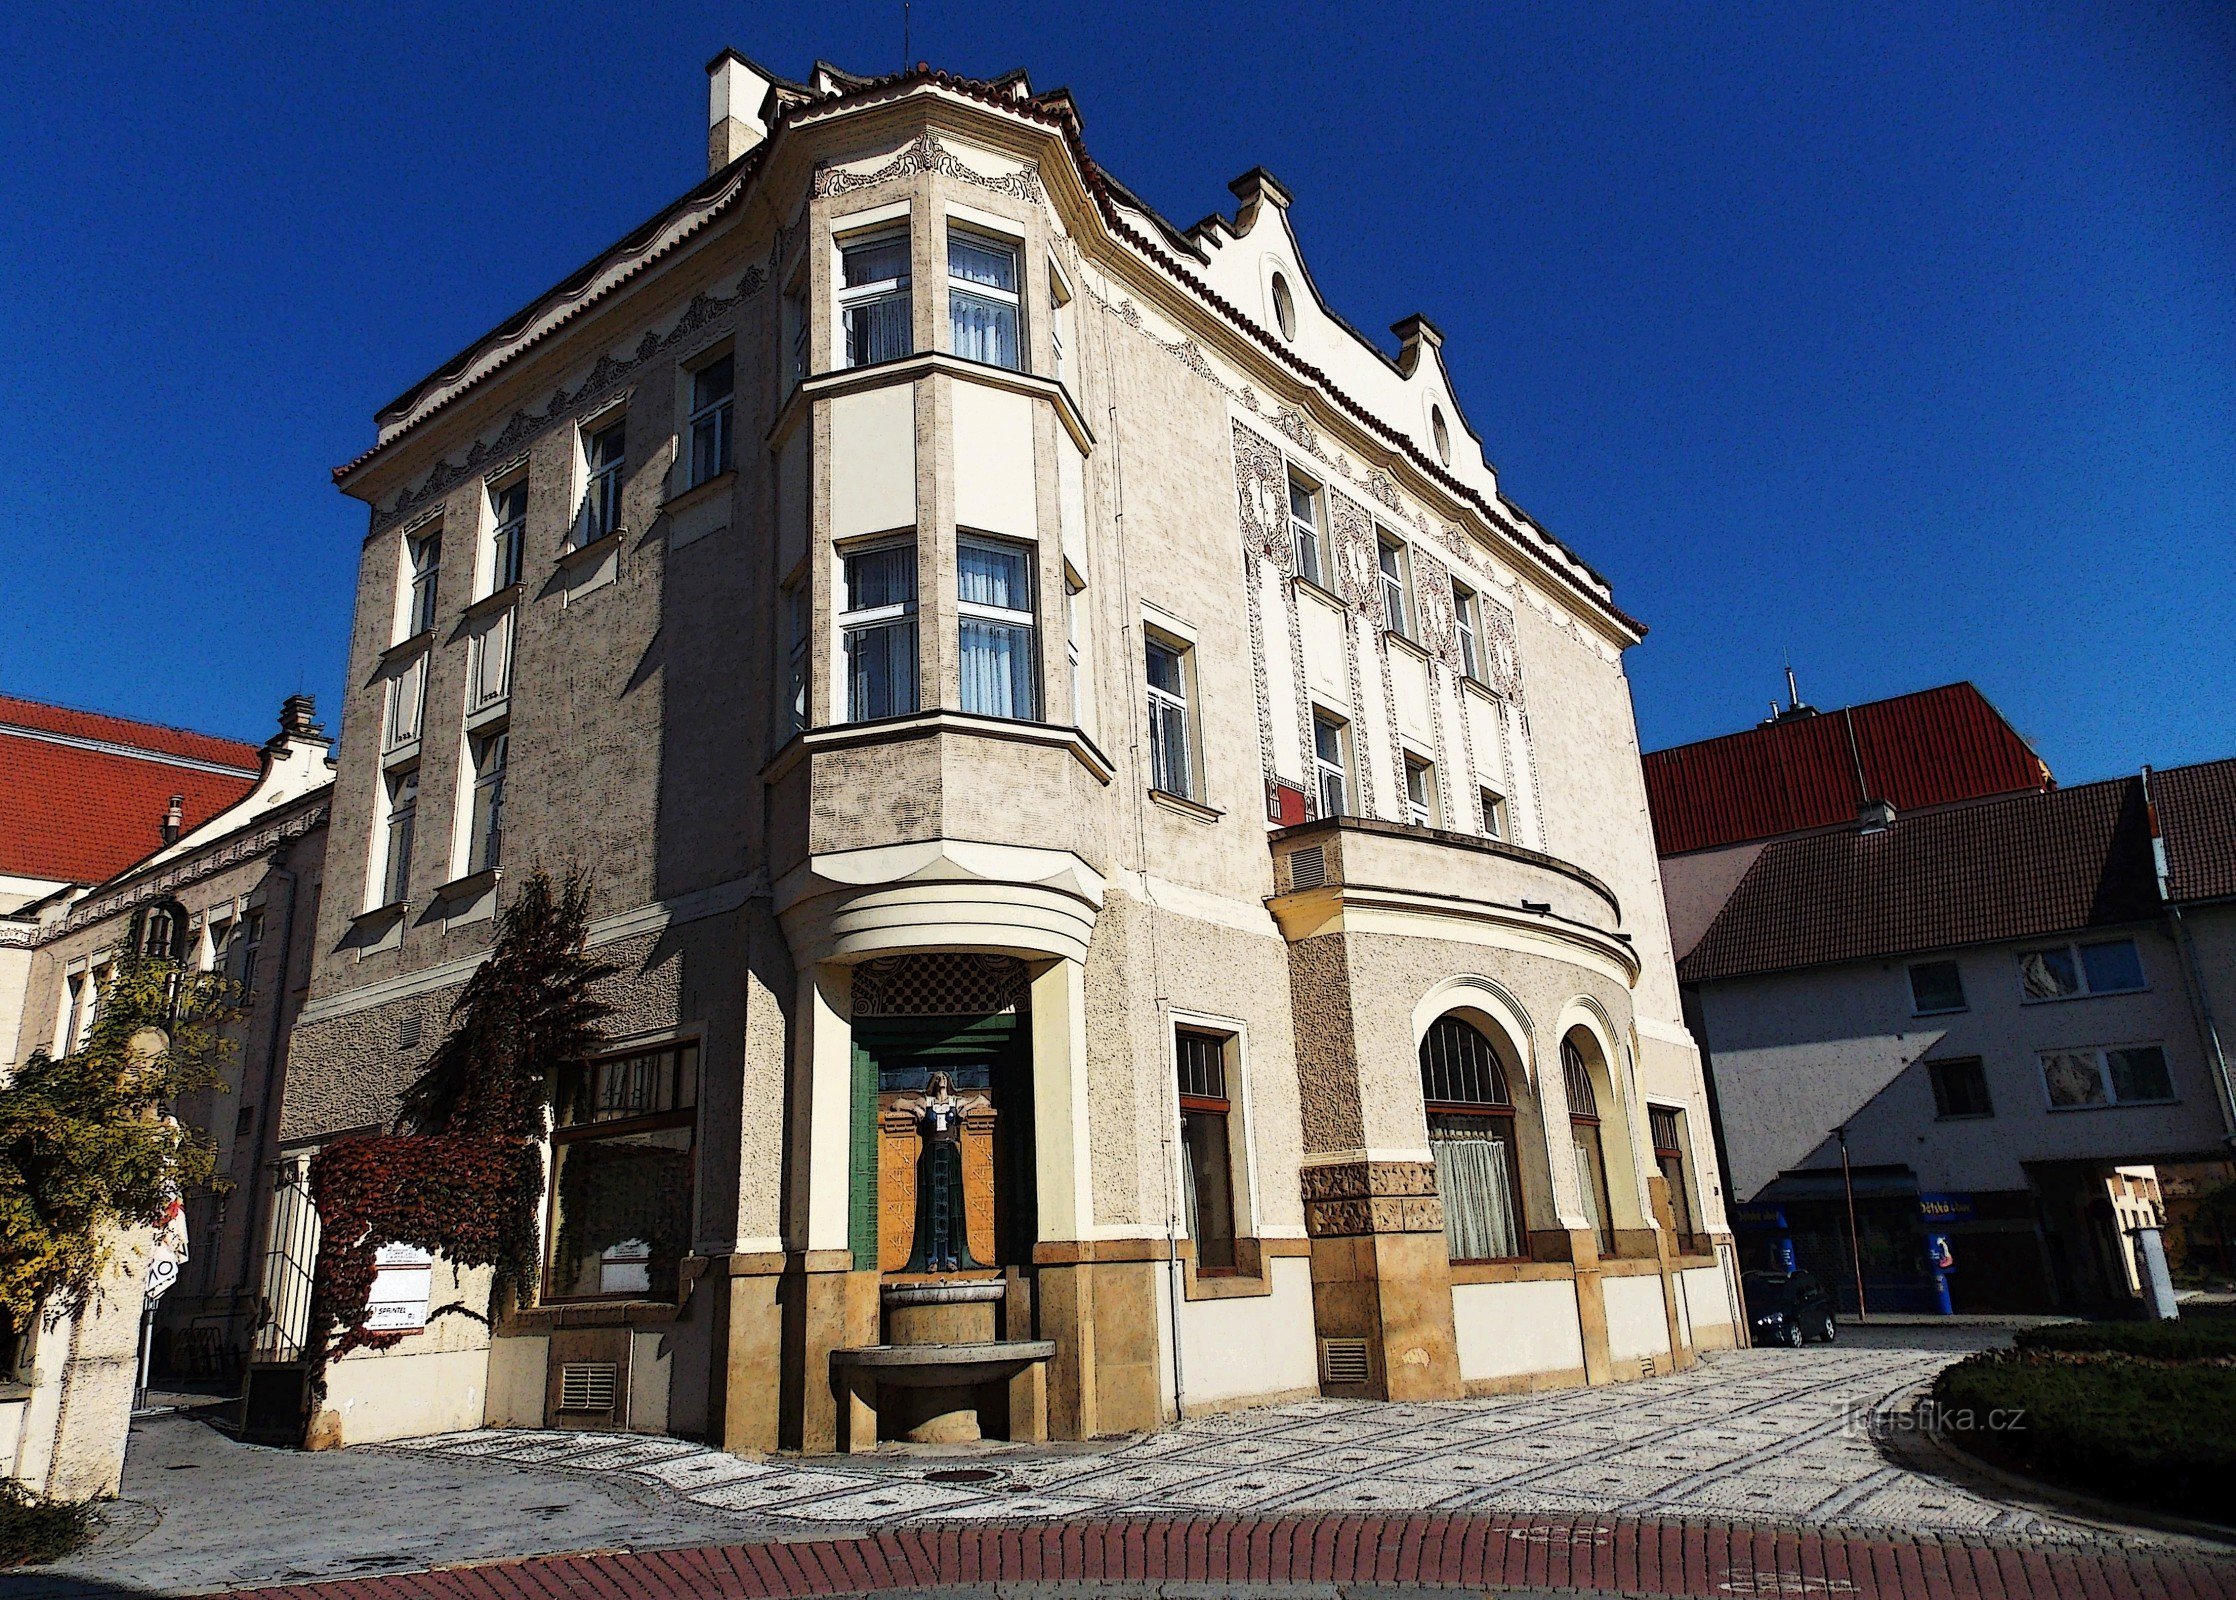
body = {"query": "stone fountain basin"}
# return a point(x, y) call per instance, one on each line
point(942, 1366)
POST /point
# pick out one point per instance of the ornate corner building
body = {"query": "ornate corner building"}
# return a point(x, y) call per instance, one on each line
point(1127, 853)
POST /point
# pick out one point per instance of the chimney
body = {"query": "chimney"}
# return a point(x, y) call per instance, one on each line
point(174, 815)
point(736, 89)
point(1415, 334)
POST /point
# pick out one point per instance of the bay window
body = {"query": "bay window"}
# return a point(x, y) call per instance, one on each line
point(1207, 1150)
point(1471, 1136)
point(508, 533)
point(621, 1147)
point(982, 299)
point(873, 299)
point(877, 630)
point(1172, 760)
point(713, 388)
point(995, 653)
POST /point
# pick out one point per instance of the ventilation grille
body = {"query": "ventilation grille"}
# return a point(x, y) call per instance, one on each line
point(1647, 1367)
point(1343, 1363)
point(1308, 868)
point(587, 1385)
point(407, 1032)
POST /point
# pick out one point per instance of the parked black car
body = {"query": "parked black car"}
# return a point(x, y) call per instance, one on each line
point(1788, 1307)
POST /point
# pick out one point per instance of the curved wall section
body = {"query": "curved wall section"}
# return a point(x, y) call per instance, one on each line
point(941, 894)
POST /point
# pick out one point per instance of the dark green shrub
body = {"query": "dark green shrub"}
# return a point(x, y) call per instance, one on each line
point(2202, 1334)
point(2148, 1433)
point(33, 1531)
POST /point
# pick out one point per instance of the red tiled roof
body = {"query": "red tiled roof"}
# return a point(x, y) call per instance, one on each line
point(1931, 748)
point(2016, 867)
point(2197, 818)
point(73, 811)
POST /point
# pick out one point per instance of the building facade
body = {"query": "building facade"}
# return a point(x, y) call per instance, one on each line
point(1125, 850)
point(1989, 1020)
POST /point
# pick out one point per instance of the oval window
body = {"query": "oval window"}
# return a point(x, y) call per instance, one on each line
point(1284, 308)
point(1441, 434)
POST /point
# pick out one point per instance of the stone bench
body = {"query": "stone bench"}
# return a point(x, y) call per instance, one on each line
point(942, 1388)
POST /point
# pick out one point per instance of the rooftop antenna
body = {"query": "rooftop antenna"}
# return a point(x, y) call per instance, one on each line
point(905, 45)
point(1795, 706)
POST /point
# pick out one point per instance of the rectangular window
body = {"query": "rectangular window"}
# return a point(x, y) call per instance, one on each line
point(877, 629)
point(982, 299)
point(996, 652)
point(508, 533)
point(621, 1175)
point(601, 508)
point(426, 557)
point(489, 665)
point(407, 700)
point(1495, 825)
point(2077, 1079)
point(1304, 528)
point(486, 840)
point(403, 820)
point(795, 648)
point(1207, 1147)
point(1935, 987)
point(1172, 764)
point(712, 391)
point(796, 332)
point(1059, 316)
point(1463, 627)
point(1072, 592)
point(1420, 792)
point(1668, 1126)
point(873, 299)
point(1330, 766)
point(2066, 971)
point(1960, 1088)
point(1397, 616)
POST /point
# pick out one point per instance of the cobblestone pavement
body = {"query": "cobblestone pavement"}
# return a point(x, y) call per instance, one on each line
point(1763, 1436)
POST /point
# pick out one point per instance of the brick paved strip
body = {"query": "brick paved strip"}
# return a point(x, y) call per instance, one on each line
point(1637, 1556)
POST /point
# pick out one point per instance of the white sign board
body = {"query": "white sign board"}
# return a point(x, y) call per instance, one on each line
point(403, 1279)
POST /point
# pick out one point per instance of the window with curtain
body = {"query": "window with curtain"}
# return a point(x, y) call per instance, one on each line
point(486, 835)
point(1591, 1155)
point(995, 628)
point(1396, 615)
point(426, 577)
point(873, 299)
point(508, 533)
point(605, 452)
point(1206, 1146)
point(1471, 1136)
point(403, 821)
point(1668, 1125)
point(1172, 764)
point(982, 299)
point(712, 393)
point(621, 1174)
point(1330, 766)
point(1304, 528)
point(877, 631)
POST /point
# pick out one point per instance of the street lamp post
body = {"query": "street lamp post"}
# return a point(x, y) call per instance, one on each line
point(1855, 1246)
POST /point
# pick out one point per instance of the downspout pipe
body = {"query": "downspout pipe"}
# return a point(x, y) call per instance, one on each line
point(273, 1048)
point(2193, 974)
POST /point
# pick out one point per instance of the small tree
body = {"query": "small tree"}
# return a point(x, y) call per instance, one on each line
point(85, 1150)
point(463, 1173)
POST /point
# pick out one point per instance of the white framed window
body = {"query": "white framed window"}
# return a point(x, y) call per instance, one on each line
point(1172, 753)
point(489, 662)
point(423, 555)
point(74, 992)
point(508, 532)
point(1207, 1076)
point(877, 630)
point(1072, 603)
point(2070, 970)
point(982, 298)
point(2078, 1080)
point(795, 648)
point(1305, 528)
point(997, 648)
point(1331, 740)
point(604, 453)
point(1464, 631)
point(1420, 792)
point(1495, 823)
point(1059, 325)
point(796, 333)
point(1936, 987)
point(1397, 613)
point(407, 703)
point(485, 836)
point(403, 822)
point(713, 391)
point(873, 298)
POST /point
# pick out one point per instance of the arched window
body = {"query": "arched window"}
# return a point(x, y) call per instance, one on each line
point(1591, 1158)
point(163, 931)
point(1471, 1135)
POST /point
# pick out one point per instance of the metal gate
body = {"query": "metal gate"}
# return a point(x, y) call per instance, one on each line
point(290, 1255)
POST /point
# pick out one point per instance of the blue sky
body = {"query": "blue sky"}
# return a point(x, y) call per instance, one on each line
point(1901, 343)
